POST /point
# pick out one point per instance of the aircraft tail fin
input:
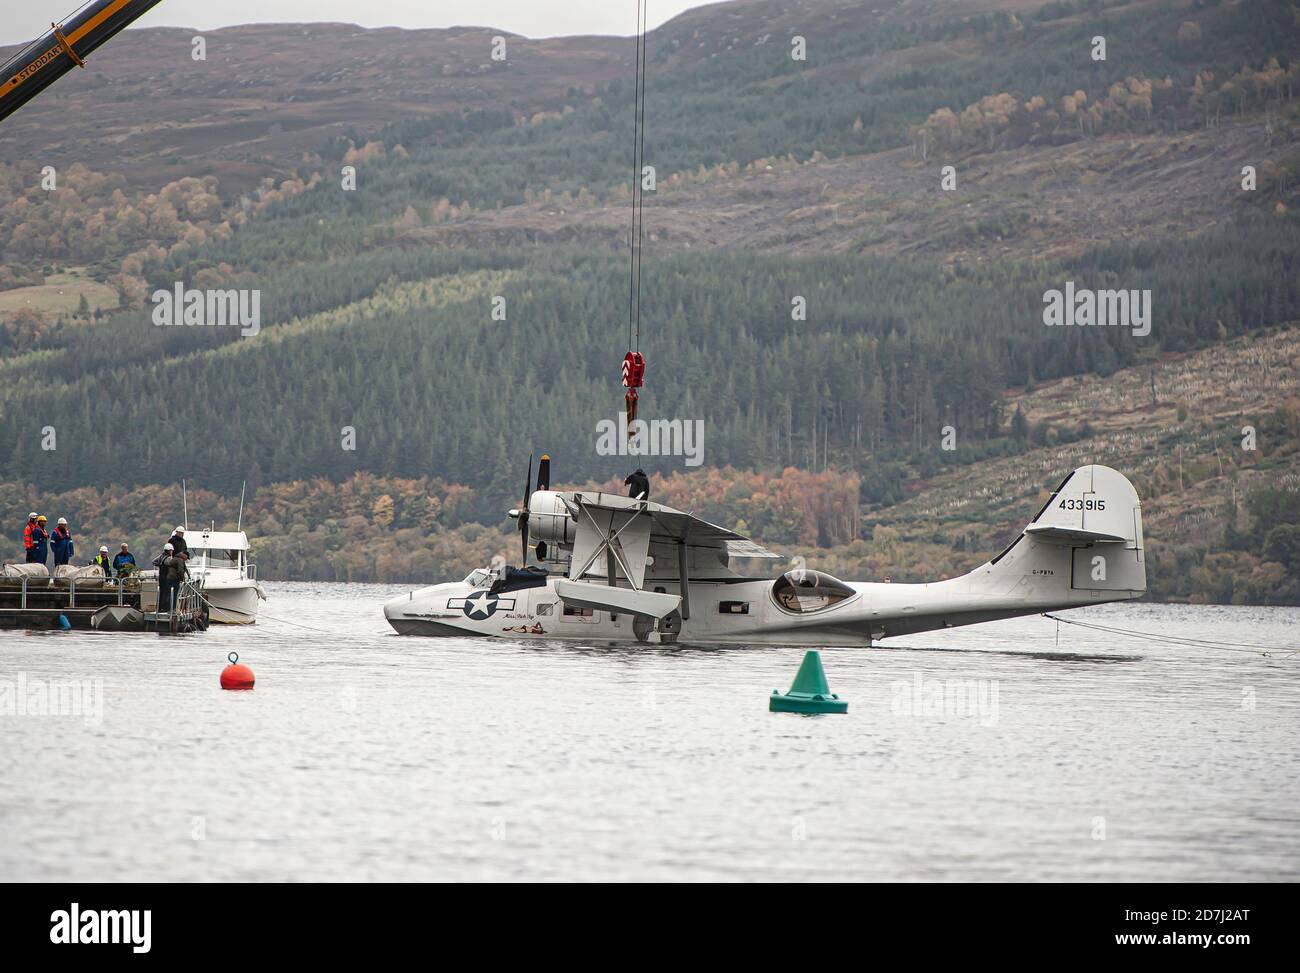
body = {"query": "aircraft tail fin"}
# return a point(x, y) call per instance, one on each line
point(1089, 532)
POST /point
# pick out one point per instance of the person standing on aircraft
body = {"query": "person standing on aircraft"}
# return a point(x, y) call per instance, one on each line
point(638, 485)
point(62, 544)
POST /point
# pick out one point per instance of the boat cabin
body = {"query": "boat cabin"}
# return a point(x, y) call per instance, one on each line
point(216, 550)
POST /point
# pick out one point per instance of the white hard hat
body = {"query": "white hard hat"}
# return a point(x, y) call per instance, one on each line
point(168, 547)
point(103, 549)
point(179, 530)
point(31, 516)
point(63, 521)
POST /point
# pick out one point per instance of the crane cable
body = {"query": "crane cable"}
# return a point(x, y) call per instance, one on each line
point(637, 235)
point(1181, 640)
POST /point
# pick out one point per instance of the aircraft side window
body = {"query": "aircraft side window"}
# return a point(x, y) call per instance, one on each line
point(546, 608)
point(733, 607)
point(802, 592)
point(583, 612)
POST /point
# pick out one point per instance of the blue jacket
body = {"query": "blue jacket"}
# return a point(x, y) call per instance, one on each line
point(121, 560)
point(61, 541)
point(42, 546)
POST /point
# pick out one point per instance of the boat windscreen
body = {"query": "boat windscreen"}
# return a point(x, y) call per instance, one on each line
point(220, 557)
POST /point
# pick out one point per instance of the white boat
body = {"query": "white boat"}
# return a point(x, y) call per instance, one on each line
point(220, 559)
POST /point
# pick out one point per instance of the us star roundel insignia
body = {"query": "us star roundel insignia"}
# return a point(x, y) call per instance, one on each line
point(484, 604)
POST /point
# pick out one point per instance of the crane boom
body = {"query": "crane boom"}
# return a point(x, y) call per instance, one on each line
point(62, 47)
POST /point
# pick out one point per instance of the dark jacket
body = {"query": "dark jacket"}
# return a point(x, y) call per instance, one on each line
point(172, 570)
point(637, 484)
point(63, 546)
point(41, 544)
point(178, 544)
point(121, 561)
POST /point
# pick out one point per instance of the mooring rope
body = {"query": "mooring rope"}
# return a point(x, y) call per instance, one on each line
point(1182, 640)
point(282, 621)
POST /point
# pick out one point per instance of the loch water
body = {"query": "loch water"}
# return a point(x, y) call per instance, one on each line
point(1006, 751)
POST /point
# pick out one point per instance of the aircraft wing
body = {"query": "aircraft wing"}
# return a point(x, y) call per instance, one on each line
point(747, 548)
point(599, 513)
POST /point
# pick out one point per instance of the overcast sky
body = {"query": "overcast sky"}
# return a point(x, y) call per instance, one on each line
point(24, 20)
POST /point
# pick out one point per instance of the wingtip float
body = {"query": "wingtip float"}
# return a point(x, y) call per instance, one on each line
point(63, 47)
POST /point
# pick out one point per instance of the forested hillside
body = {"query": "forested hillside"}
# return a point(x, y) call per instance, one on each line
point(811, 294)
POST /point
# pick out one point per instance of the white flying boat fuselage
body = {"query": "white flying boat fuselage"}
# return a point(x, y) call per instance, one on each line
point(1083, 548)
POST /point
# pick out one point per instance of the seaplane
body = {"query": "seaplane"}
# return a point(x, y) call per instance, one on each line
point(625, 569)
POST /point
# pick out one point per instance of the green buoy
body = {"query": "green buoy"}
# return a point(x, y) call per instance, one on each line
point(810, 692)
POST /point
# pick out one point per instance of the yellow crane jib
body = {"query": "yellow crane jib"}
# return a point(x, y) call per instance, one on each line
point(38, 65)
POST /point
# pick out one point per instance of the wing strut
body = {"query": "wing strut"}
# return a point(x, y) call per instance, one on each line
point(611, 548)
point(683, 581)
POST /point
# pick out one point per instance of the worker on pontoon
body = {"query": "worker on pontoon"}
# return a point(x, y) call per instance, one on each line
point(101, 560)
point(30, 533)
point(177, 541)
point(638, 485)
point(171, 572)
point(41, 550)
point(62, 544)
point(124, 562)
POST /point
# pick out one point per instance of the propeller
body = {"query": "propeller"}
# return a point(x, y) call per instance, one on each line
point(543, 483)
point(523, 511)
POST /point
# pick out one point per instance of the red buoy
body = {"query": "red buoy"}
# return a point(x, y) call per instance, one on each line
point(235, 675)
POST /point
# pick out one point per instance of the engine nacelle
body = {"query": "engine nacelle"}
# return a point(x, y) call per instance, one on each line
point(549, 520)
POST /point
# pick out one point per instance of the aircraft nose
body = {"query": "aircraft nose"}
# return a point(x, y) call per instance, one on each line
point(394, 607)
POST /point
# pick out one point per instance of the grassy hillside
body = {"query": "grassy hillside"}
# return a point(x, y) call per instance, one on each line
point(1220, 520)
point(780, 181)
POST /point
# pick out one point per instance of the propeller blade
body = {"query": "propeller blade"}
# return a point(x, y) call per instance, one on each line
point(544, 473)
point(523, 512)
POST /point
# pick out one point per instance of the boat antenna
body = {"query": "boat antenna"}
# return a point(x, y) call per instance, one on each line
point(239, 524)
point(633, 362)
point(185, 507)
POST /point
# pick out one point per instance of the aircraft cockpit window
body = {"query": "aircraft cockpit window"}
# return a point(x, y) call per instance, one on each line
point(480, 578)
point(802, 592)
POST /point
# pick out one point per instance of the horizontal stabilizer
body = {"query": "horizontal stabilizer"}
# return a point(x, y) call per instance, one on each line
point(1072, 535)
point(582, 594)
